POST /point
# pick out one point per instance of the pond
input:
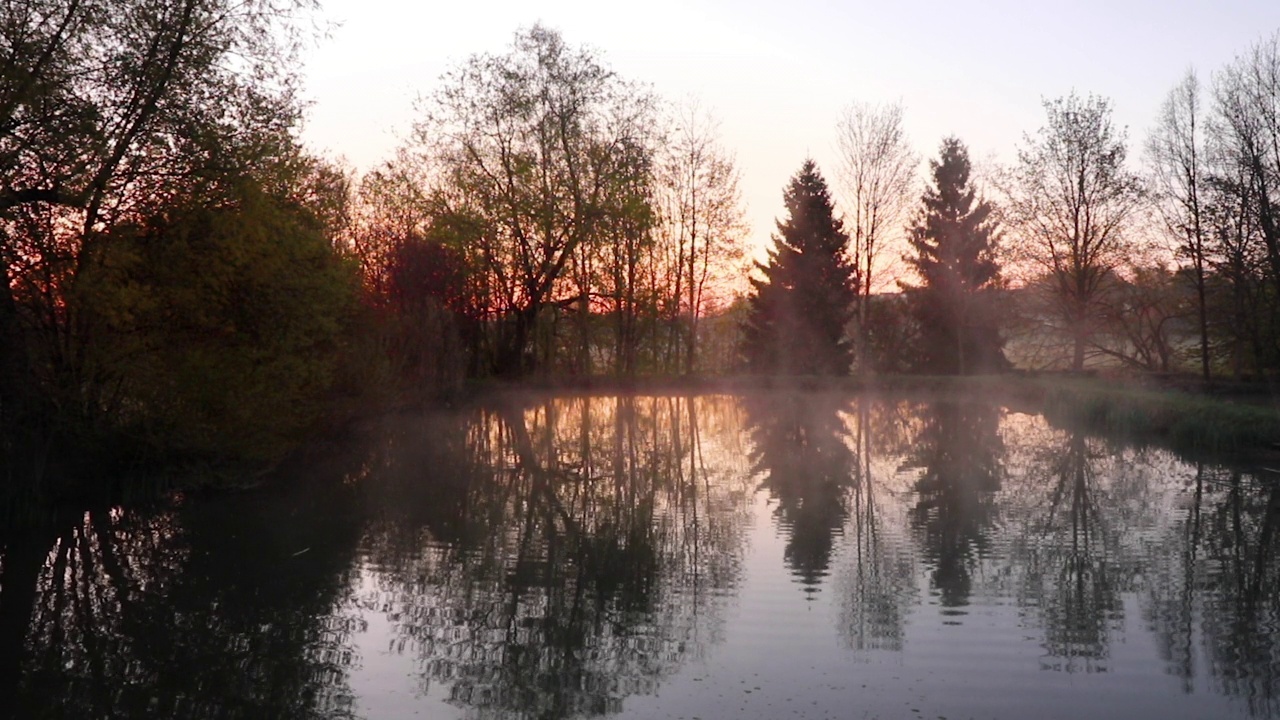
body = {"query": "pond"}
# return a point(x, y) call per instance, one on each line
point(784, 555)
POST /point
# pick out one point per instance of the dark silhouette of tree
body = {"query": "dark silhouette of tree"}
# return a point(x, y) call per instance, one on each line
point(1176, 148)
point(548, 148)
point(799, 309)
point(800, 446)
point(1244, 203)
point(125, 603)
point(435, 312)
point(168, 280)
point(953, 242)
point(960, 451)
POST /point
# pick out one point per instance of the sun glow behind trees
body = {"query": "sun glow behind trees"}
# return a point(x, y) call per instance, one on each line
point(547, 213)
point(597, 221)
point(635, 285)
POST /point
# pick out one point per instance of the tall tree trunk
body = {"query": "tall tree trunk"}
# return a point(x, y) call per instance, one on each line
point(1204, 318)
point(15, 370)
point(510, 359)
point(1267, 222)
point(1077, 355)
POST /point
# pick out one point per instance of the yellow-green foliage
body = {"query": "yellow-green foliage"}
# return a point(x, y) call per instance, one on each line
point(221, 326)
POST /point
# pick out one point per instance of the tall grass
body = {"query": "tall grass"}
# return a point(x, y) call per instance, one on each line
point(1182, 420)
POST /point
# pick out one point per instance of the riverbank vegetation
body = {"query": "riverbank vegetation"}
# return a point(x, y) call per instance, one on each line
point(186, 285)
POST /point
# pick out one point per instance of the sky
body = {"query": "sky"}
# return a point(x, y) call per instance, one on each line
point(777, 75)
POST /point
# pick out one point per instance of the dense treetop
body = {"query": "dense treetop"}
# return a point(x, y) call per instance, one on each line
point(800, 306)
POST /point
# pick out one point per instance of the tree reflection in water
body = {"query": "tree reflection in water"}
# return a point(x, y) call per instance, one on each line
point(603, 547)
point(959, 454)
point(802, 454)
point(1081, 520)
point(168, 613)
point(550, 557)
point(876, 572)
point(1242, 605)
point(1214, 593)
point(1065, 557)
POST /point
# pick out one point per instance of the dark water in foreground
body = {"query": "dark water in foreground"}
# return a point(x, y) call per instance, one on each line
point(716, 557)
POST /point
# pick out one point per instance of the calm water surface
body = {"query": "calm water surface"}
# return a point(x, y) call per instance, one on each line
point(775, 556)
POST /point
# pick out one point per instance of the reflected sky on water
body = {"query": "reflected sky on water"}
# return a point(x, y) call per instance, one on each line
point(769, 556)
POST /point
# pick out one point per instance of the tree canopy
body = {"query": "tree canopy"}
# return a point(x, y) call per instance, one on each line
point(546, 147)
point(800, 307)
point(170, 287)
point(1072, 200)
point(953, 243)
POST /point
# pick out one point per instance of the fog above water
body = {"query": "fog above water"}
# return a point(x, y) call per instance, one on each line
point(771, 555)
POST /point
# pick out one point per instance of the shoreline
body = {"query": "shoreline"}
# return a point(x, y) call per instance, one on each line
point(1227, 418)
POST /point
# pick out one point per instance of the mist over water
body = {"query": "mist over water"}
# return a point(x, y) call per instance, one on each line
point(763, 556)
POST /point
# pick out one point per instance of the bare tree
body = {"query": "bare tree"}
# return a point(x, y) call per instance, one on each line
point(1239, 208)
point(702, 223)
point(1247, 130)
point(1176, 148)
point(876, 176)
point(1070, 198)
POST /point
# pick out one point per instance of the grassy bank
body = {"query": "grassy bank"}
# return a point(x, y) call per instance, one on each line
point(1184, 421)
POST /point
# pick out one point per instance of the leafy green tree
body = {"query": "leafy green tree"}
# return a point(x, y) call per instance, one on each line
point(549, 149)
point(799, 310)
point(953, 241)
point(225, 323)
point(114, 115)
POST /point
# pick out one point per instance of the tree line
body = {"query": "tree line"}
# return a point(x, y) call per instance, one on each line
point(1066, 259)
point(601, 233)
point(184, 279)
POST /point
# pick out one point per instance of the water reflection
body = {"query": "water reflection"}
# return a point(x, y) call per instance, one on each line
point(959, 453)
point(605, 550)
point(166, 613)
point(1241, 597)
point(561, 557)
point(1074, 567)
point(877, 573)
point(801, 451)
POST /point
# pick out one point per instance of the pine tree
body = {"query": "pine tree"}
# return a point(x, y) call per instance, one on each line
point(799, 309)
point(953, 243)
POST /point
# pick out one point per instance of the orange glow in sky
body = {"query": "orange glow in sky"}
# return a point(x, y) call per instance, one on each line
point(778, 74)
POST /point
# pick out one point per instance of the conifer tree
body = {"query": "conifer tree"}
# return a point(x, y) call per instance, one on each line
point(799, 309)
point(953, 250)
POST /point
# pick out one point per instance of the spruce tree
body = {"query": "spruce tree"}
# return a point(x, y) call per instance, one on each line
point(953, 250)
point(799, 308)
